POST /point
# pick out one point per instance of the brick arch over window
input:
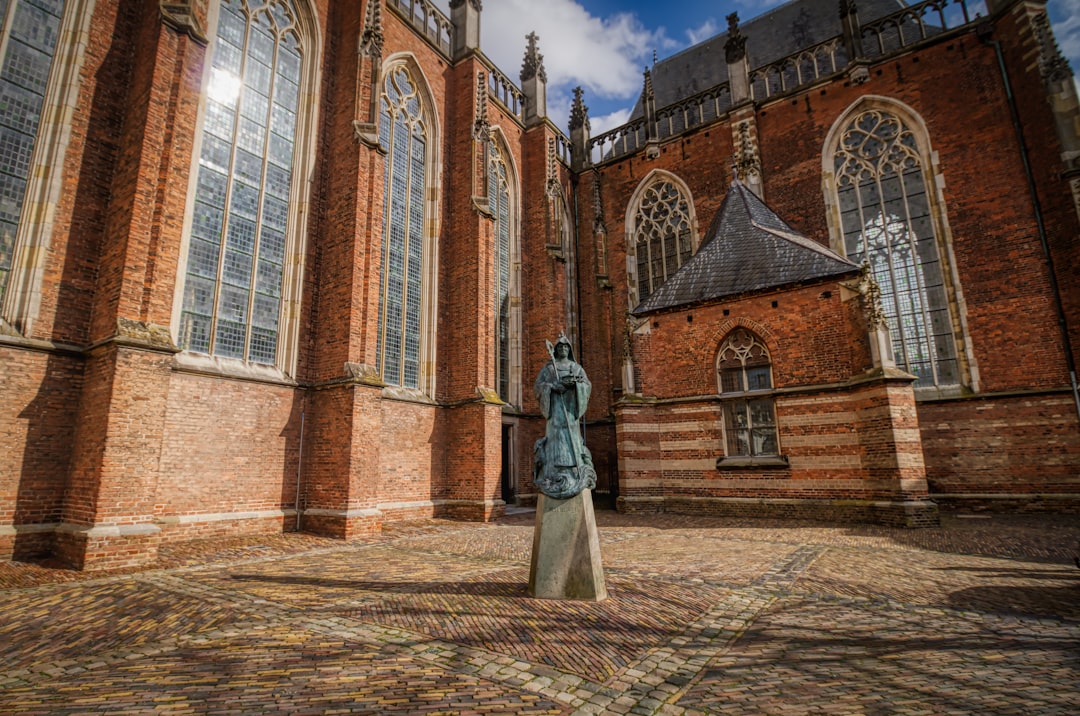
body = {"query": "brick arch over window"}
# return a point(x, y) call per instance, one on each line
point(239, 291)
point(661, 233)
point(409, 136)
point(48, 43)
point(885, 208)
point(504, 196)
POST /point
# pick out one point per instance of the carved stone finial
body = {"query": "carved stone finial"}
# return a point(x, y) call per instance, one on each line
point(481, 127)
point(1052, 64)
point(599, 225)
point(648, 88)
point(554, 188)
point(735, 47)
point(579, 113)
point(847, 7)
point(746, 157)
point(533, 64)
point(371, 41)
point(870, 291)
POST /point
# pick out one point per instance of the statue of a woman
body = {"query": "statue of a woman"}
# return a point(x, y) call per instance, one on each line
point(562, 465)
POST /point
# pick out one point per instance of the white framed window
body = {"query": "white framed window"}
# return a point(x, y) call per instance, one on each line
point(661, 233)
point(500, 193)
point(243, 258)
point(744, 380)
point(887, 214)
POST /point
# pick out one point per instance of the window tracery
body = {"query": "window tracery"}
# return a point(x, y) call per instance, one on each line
point(888, 223)
point(744, 378)
point(499, 193)
point(663, 237)
point(242, 215)
point(403, 135)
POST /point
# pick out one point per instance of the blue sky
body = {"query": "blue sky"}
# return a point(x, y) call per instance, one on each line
point(604, 45)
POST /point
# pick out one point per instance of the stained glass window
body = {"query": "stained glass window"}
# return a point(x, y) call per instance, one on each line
point(232, 290)
point(28, 32)
point(662, 236)
point(888, 222)
point(499, 197)
point(744, 374)
point(403, 137)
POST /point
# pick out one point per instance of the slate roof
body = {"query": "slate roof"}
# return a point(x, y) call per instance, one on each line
point(782, 31)
point(747, 248)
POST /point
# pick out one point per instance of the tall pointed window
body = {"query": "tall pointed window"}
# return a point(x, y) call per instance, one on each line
point(499, 197)
point(888, 221)
point(404, 137)
point(663, 236)
point(744, 376)
point(28, 33)
point(233, 288)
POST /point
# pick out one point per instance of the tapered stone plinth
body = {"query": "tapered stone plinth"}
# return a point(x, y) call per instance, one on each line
point(566, 550)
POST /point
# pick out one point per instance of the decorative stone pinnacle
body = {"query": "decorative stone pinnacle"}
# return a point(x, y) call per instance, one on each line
point(371, 42)
point(1052, 64)
point(648, 89)
point(735, 47)
point(480, 123)
point(458, 3)
point(533, 64)
point(847, 7)
point(579, 113)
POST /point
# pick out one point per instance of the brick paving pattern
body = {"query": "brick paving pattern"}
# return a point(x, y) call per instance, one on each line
point(706, 615)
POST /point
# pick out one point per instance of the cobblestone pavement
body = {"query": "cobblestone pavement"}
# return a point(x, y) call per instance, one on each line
point(705, 615)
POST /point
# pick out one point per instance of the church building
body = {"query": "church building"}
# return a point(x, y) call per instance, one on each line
point(277, 265)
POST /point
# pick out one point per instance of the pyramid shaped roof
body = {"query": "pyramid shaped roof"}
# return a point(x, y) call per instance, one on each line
point(747, 248)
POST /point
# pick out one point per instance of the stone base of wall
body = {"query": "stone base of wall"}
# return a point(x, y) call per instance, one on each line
point(1035, 503)
point(25, 542)
point(340, 524)
point(473, 511)
point(180, 528)
point(907, 513)
point(106, 547)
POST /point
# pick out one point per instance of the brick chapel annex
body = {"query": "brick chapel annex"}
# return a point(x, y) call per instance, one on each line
point(290, 264)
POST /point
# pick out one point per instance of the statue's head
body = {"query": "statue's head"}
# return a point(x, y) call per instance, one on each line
point(563, 347)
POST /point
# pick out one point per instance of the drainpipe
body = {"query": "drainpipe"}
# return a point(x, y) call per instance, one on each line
point(984, 32)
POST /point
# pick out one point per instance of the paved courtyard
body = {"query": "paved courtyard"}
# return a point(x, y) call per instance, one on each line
point(705, 615)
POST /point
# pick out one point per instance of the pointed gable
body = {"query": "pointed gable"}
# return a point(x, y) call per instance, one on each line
point(748, 248)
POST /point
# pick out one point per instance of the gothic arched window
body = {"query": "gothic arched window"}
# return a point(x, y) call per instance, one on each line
point(403, 134)
point(29, 32)
point(244, 205)
point(888, 221)
point(744, 377)
point(499, 193)
point(663, 237)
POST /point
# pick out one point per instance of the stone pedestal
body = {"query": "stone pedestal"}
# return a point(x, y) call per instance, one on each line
point(566, 550)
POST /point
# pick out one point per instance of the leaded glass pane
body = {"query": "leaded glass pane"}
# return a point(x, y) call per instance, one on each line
point(499, 189)
point(244, 279)
point(31, 42)
point(401, 133)
point(663, 240)
point(886, 223)
point(743, 365)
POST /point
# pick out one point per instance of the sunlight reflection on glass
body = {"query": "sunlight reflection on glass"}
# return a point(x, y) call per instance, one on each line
point(224, 86)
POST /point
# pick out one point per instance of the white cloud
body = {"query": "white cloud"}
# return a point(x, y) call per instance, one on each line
point(704, 32)
point(605, 56)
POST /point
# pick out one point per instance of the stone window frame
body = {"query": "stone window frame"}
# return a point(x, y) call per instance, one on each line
point(745, 393)
point(300, 200)
point(500, 151)
point(653, 177)
point(21, 297)
point(934, 180)
point(429, 283)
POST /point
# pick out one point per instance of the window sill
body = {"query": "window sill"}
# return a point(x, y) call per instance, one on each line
point(742, 461)
point(234, 368)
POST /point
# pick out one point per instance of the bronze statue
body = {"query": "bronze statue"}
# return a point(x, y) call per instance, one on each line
point(562, 465)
